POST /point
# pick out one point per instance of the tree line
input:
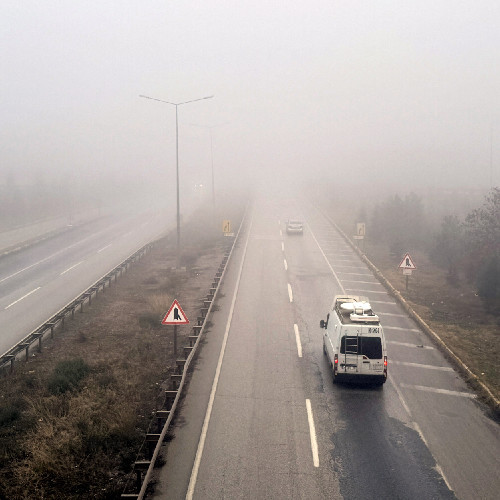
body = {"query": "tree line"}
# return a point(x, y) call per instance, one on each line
point(467, 248)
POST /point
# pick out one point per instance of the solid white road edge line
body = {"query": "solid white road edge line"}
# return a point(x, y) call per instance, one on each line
point(297, 339)
point(312, 433)
point(203, 435)
point(23, 297)
point(417, 428)
point(326, 259)
point(290, 294)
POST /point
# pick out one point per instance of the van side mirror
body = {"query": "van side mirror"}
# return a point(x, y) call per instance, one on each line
point(322, 324)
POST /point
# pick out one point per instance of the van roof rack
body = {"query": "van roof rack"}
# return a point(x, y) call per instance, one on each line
point(355, 309)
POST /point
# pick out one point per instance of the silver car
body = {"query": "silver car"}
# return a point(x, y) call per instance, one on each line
point(294, 226)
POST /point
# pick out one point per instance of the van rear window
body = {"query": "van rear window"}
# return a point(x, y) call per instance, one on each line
point(371, 347)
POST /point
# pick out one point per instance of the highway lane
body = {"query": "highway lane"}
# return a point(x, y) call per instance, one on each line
point(367, 439)
point(258, 443)
point(464, 443)
point(38, 281)
point(405, 440)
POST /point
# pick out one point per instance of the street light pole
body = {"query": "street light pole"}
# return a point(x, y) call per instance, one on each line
point(210, 128)
point(177, 189)
point(177, 104)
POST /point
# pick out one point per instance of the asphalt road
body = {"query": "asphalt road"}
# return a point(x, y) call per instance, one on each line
point(262, 418)
point(38, 281)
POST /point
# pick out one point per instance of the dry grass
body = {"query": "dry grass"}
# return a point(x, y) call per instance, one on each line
point(82, 443)
point(453, 311)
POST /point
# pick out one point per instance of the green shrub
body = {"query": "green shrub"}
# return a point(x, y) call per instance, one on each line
point(8, 415)
point(67, 375)
point(149, 320)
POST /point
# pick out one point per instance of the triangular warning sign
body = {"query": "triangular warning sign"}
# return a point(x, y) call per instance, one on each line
point(175, 315)
point(407, 263)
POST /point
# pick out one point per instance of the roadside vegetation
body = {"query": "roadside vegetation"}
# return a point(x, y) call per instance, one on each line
point(456, 287)
point(73, 419)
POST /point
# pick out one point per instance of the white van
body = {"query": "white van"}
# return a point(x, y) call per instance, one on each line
point(354, 341)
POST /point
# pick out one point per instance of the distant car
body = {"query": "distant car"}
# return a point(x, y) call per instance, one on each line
point(294, 226)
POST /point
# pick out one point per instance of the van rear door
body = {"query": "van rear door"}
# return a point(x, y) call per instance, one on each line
point(361, 355)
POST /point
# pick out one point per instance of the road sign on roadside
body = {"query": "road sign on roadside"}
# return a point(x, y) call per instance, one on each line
point(407, 263)
point(175, 315)
point(407, 266)
point(226, 226)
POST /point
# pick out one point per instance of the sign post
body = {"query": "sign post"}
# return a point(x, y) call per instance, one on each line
point(360, 233)
point(407, 266)
point(175, 316)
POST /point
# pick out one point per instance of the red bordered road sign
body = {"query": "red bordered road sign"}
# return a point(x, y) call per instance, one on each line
point(175, 315)
point(407, 263)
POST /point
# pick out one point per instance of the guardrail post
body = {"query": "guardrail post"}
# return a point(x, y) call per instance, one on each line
point(26, 346)
point(176, 379)
point(169, 399)
point(151, 439)
point(39, 335)
point(12, 358)
point(140, 466)
point(161, 418)
point(180, 364)
point(52, 325)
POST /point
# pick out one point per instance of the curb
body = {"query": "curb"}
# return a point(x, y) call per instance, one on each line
point(473, 380)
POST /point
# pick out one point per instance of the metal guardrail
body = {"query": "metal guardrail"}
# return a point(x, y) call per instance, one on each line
point(59, 317)
point(163, 417)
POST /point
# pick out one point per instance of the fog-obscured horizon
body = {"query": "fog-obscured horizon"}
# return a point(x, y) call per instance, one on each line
point(367, 97)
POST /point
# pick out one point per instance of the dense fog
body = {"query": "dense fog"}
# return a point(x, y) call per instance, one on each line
point(383, 96)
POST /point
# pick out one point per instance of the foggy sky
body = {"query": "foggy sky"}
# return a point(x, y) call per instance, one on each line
point(392, 91)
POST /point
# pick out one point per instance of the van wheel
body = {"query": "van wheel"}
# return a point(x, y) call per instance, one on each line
point(334, 378)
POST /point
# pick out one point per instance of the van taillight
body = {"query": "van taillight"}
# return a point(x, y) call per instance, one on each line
point(335, 363)
point(385, 365)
